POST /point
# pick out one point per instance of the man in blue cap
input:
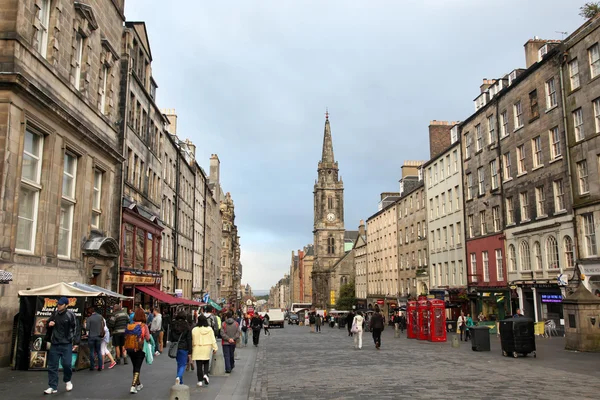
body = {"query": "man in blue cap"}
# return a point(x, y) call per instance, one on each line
point(64, 334)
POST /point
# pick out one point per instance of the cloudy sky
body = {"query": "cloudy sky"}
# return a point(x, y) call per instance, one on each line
point(250, 80)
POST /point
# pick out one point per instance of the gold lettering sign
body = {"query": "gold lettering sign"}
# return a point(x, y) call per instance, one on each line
point(146, 280)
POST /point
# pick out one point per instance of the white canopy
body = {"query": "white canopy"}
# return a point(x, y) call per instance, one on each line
point(75, 289)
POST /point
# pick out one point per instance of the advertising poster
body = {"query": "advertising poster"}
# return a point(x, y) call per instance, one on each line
point(45, 307)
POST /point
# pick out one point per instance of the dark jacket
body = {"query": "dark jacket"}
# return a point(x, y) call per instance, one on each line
point(376, 321)
point(180, 330)
point(256, 322)
point(117, 323)
point(65, 330)
point(95, 325)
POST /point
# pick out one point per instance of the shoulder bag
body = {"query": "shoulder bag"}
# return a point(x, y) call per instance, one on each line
point(174, 347)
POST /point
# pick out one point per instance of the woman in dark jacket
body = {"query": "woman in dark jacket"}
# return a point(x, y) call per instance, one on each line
point(182, 334)
point(376, 325)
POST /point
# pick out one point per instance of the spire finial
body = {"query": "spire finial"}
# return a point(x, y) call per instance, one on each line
point(326, 113)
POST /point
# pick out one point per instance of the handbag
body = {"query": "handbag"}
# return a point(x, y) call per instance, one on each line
point(354, 328)
point(149, 354)
point(174, 347)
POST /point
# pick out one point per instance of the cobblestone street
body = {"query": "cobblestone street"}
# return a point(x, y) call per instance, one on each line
point(295, 364)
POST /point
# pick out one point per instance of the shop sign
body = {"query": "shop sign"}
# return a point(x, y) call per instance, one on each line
point(590, 269)
point(544, 285)
point(380, 301)
point(140, 280)
point(551, 298)
point(179, 293)
point(45, 307)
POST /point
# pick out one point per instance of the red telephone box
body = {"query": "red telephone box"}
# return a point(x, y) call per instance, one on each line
point(412, 327)
point(437, 321)
point(423, 319)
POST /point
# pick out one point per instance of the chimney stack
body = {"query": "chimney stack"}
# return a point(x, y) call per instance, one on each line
point(361, 228)
point(172, 117)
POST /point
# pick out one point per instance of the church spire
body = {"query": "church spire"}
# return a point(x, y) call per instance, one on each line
point(327, 156)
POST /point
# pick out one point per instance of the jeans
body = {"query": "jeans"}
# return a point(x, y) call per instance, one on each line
point(358, 339)
point(64, 353)
point(182, 358)
point(317, 328)
point(95, 344)
point(245, 337)
point(155, 336)
point(377, 336)
point(228, 354)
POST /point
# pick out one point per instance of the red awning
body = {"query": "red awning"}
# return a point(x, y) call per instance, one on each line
point(159, 295)
point(192, 302)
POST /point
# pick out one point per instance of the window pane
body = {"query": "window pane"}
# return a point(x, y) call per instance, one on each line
point(27, 204)
point(64, 229)
point(139, 249)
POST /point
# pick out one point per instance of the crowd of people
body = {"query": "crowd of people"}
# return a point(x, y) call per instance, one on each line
point(139, 335)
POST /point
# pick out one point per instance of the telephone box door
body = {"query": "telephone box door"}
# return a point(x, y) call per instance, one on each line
point(437, 321)
point(423, 319)
point(412, 326)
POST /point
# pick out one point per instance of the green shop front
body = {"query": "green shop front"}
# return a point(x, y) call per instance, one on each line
point(493, 303)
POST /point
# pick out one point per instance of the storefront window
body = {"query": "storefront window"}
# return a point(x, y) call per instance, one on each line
point(128, 246)
point(149, 260)
point(139, 249)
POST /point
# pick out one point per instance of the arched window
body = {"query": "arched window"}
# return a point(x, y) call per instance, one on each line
point(525, 258)
point(330, 245)
point(568, 249)
point(552, 252)
point(537, 253)
point(512, 258)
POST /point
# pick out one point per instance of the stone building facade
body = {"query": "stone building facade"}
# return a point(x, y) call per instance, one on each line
point(445, 218)
point(578, 71)
point(360, 267)
point(483, 203)
point(295, 266)
point(142, 134)
point(59, 135)
point(229, 251)
point(214, 225)
point(382, 257)
point(201, 191)
point(535, 184)
point(308, 258)
point(413, 271)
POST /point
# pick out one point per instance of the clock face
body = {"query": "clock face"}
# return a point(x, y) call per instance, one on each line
point(330, 217)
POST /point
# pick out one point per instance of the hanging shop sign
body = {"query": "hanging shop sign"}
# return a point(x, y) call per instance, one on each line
point(551, 298)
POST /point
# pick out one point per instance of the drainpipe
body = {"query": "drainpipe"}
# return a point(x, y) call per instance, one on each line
point(203, 240)
point(568, 158)
point(176, 225)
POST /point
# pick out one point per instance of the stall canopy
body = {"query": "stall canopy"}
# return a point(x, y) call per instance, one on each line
point(167, 298)
point(75, 289)
point(158, 295)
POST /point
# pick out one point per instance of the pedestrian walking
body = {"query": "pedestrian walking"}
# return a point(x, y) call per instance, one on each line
point(349, 319)
point(192, 324)
point(155, 329)
point(266, 321)
point(318, 323)
point(204, 345)
point(396, 321)
point(462, 325)
point(117, 324)
point(468, 327)
point(95, 327)
point(104, 348)
point(230, 333)
point(135, 334)
point(256, 325)
point(377, 326)
point(306, 319)
point(181, 334)
point(357, 327)
point(244, 326)
point(64, 337)
point(402, 322)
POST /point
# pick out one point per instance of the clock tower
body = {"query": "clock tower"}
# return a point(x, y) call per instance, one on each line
point(328, 220)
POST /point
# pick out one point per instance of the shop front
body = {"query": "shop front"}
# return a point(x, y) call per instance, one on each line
point(490, 304)
point(541, 301)
point(591, 277)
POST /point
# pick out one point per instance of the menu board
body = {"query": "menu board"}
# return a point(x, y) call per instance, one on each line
point(40, 339)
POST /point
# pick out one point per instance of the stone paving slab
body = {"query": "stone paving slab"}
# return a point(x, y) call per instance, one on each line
point(295, 364)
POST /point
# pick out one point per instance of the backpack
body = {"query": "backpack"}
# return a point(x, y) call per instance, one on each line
point(212, 322)
point(133, 337)
point(311, 319)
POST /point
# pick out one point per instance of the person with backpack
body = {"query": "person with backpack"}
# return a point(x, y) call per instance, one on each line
point(95, 326)
point(230, 333)
point(104, 348)
point(181, 336)
point(256, 325)
point(266, 320)
point(64, 338)
point(117, 324)
point(244, 326)
point(135, 334)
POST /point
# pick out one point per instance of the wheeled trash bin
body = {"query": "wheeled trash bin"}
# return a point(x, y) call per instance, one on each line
point(517, 336)
point(480, 338)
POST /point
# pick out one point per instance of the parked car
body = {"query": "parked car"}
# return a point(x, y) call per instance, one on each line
point(293, 319)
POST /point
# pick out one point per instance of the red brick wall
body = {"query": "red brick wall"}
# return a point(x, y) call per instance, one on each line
point(439, 137)
point(489, 244)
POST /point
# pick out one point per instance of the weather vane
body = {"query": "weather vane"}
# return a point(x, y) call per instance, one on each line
point(326, 113)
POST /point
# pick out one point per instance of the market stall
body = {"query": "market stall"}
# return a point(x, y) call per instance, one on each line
point(37, 305)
